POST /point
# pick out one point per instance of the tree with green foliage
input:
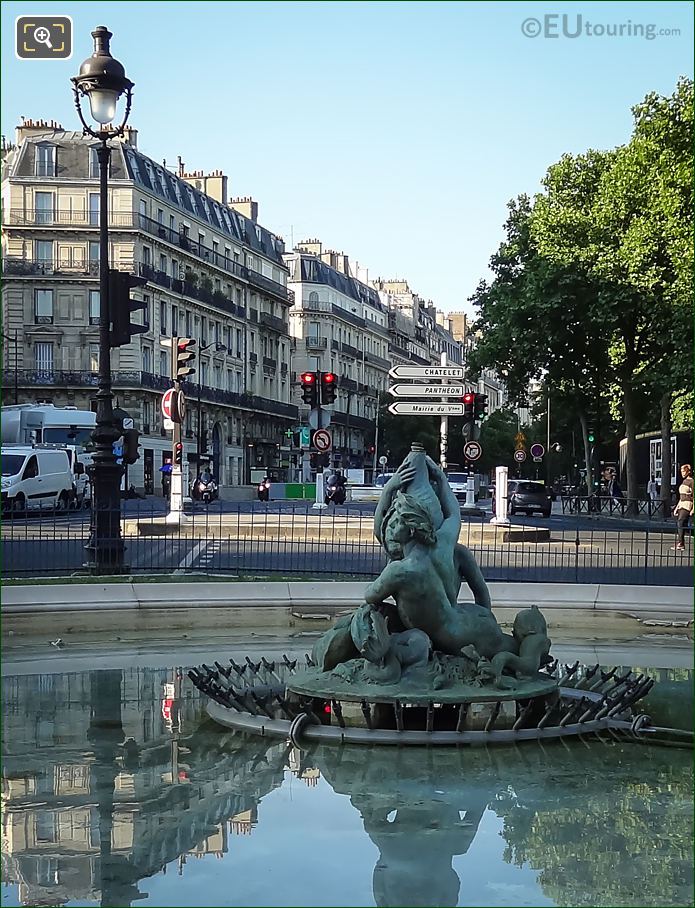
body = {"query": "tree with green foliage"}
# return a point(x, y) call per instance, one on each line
point(623, 221)
point(396, 433)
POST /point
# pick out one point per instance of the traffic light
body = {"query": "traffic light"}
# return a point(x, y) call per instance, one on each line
point(178, 454)
point(131, 442)
point(469, 406)
point(480, 406)
point(592, 436)
point(310, 389)
point(121, 306)
point(319, 461)
point(329, 385)
point(183, 357)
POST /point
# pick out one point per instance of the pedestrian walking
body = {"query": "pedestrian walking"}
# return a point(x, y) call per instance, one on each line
point(652, 489)
point(684, 506)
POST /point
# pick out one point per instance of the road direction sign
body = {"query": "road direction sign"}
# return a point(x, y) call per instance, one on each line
point(472, 450)
point(520, 456)
point(408, 408)
point(426, 372)
point(319, 418)
point(322, 440)
point(537, 450)
point(426, 390)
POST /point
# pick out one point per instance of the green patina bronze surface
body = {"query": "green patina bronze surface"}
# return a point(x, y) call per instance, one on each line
point(411, 633)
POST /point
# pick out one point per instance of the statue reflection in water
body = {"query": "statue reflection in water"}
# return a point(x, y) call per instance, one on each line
point(417, 826)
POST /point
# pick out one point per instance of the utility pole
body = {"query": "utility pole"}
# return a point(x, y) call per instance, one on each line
point(443, 427)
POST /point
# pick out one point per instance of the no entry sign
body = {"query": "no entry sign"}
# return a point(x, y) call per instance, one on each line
point(322, 440)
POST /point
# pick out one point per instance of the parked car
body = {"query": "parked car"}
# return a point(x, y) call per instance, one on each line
point(527, 496)
point(370, 493)
point(35, 478)
point(459, 484)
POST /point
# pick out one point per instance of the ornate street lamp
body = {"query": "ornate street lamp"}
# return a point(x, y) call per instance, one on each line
point(102, 80)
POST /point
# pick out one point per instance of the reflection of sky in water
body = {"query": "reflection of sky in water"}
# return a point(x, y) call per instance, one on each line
point(606, 825)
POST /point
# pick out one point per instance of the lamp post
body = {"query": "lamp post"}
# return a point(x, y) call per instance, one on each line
point(199, 433)
point(102, 80)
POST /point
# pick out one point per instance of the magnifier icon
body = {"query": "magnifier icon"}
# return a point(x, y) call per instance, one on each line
point(43, 36)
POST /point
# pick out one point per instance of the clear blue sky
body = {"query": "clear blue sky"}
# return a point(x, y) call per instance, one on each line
point(395, 132)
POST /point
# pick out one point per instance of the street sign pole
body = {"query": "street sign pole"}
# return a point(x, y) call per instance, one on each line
point(443, 429)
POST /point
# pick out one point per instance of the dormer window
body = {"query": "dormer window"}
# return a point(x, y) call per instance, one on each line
point(93, 163)
point(45, 160)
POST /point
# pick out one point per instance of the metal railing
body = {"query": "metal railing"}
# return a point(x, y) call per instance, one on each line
point(23, 267)
point(61, 378)
point(291, 539)
point(621, 507)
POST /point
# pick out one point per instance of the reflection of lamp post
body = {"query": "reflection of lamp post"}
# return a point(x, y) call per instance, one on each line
point(102, 80)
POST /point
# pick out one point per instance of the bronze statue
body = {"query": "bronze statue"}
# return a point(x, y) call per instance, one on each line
point(411, 620)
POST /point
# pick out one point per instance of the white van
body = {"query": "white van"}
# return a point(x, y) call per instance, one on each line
point(35, 478)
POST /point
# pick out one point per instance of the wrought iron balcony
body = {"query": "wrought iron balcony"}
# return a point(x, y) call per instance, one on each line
point(375, 360)
point(316, 343)
point(269, 362)
point(185, 288)
point(349, 350)
point(347, 316)
point(60, 378)
point(273, 322)
point(21, 267)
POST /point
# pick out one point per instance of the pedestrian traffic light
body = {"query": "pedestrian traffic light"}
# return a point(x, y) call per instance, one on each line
point(480, 406)
point(131, 442)
point(183, 357)
point(329, 385)
point(121, 306)
point(310, 389)
point(178, 454)
point(469, 406)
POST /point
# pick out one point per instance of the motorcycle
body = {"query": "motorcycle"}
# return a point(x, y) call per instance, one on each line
point(206, 489)
point(264, 490)
point(335, 491)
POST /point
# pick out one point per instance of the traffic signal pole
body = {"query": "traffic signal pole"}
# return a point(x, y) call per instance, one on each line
point(443, 428)
point(176, 515)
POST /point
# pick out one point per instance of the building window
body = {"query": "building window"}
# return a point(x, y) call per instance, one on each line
point(146, 311)
point(162, 317)
point(239, 344)
point(163, 264)
point(146, 359)
point(146, 256)
point(93, 163)
point(203, 331)
point(174, 320)
point(143, 212)
point(94, 307)
point(172, 223)
point(313, 297)
point(94, 357)
point(43, 360)
point(160, 216)
point(188, 324)
point(94, 206)
point(45, 160)
point(43, 250)
point(93, 256)
point(43, 307)
point(203, 373)
point(44, 202)
point(163, 362)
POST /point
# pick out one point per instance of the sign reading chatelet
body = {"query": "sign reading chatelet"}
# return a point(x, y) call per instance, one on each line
point(426, 372)
point(412, 408)
point(426, 390)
